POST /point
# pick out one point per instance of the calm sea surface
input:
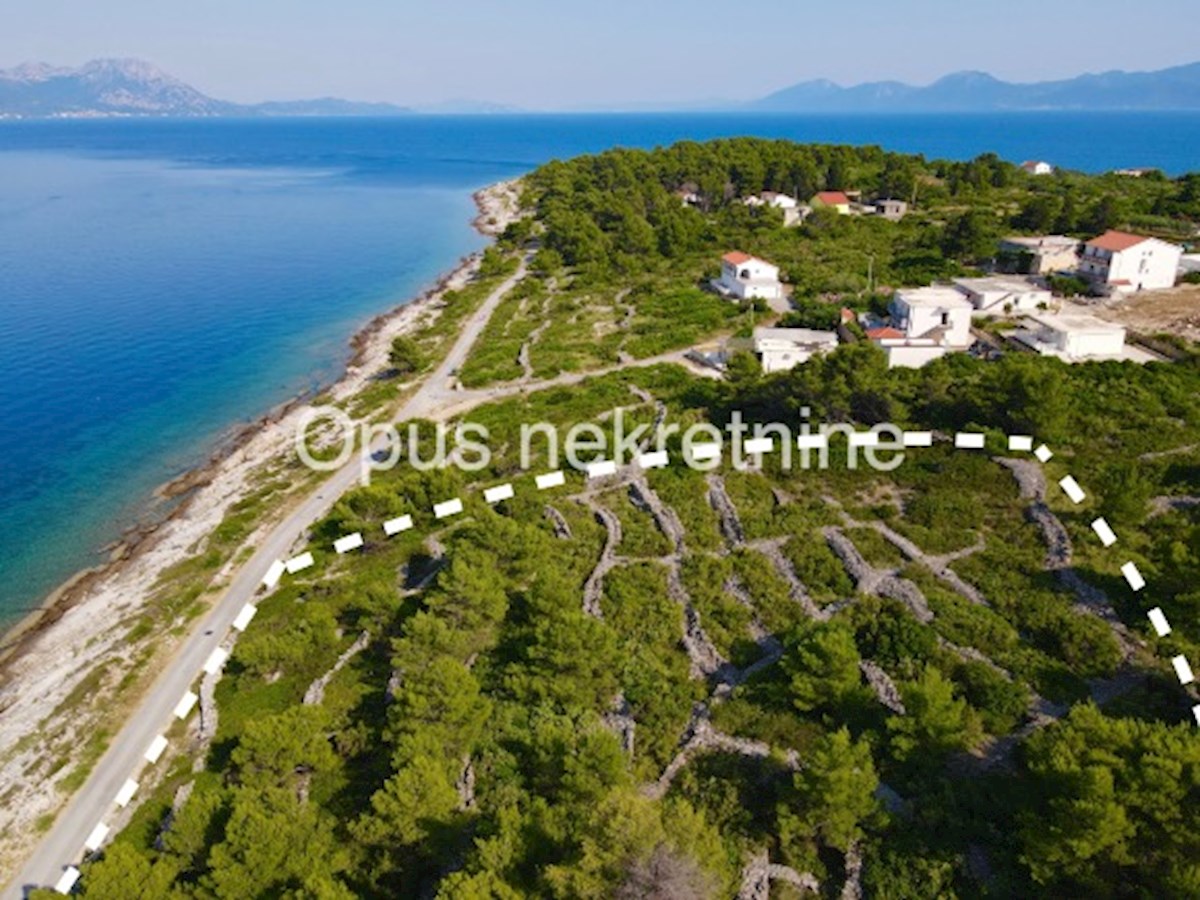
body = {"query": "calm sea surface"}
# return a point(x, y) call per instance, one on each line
point(162, 281)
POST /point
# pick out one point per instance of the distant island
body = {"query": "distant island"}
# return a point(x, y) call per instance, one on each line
point(1176, 88)
point(105, 88)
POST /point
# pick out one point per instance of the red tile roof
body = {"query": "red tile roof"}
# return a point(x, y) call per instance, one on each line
point(884, 333)
point(1116, 241)
point(833, 198)
point(737, 257)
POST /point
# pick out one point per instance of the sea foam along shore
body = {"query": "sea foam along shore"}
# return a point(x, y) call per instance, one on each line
point(58, 664)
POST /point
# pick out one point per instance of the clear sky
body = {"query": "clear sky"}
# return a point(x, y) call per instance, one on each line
point(543, 54)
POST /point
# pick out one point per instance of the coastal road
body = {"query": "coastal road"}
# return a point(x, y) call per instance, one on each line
point(438, 397)
point(63, 843)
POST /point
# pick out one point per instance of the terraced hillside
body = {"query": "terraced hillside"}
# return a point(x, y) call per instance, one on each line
point(753, 683)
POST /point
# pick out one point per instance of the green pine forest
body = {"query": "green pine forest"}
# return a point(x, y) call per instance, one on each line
point(928, 682)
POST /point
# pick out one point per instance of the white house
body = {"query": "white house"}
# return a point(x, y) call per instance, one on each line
point(1002, 296)
point(1073, 337)
point(1045, 253)
point(1037, 167)
point(747, 277)
point(779, 201)
point(1130, 262)
point(905, 352)
point(942, 313)
point(781, 349)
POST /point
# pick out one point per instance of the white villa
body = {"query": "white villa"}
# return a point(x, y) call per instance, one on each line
point(793, 211)
point(1002, 296)
point(747, 277)
point(927, 323)
point(1073, 337)
point(906, 352)
point(1037, 167)
point(1129, 262)
point(941, 312)
point(782, 349)
point(1046, 253)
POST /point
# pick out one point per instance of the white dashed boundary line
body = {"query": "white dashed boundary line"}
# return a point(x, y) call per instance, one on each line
point(1159, 620)
point(550, 480)
point(298, 563)
point(1133, 576)
point(397, 525)
point(1072, 489)
point(602, 469)
point(498, 493)
point(96, 838)
point(125, 794)
point(67, 880)
point(653, 460)
point(1107, 536)
point(155, 750)
point(349, 542)
point(185, 705)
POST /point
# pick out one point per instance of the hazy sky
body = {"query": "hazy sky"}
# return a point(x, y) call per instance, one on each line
point(548, 54)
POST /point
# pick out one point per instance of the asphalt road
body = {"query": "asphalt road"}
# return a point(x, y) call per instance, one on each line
point(63, 843)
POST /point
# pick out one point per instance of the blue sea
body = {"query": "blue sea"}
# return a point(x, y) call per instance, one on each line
point(163, 281)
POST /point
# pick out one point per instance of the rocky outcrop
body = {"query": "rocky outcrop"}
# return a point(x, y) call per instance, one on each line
point(593, 588)
point(760, 872)
point(884, 688)
point(727, 515)
point(562, 530)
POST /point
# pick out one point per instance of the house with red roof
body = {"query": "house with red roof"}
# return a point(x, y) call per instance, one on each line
point(832, 200)
point(1123, 262)
point(746, 277)
point(925, 324)
point(1037, 167)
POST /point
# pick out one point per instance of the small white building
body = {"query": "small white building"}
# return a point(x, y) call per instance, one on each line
point(1130, 262)
point(890, 209)
point(782, 349)
point(1003, 296)
point(747, 277)
point(1045, 253)
point(1037, 167)
point(941, 313)
point(778, 200)
point(1073, 337)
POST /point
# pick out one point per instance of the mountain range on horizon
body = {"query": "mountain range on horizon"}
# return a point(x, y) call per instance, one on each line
point(1176, 88)
point(134, 88)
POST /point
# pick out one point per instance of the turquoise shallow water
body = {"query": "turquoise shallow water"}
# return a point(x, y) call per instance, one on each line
point(161, 281)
